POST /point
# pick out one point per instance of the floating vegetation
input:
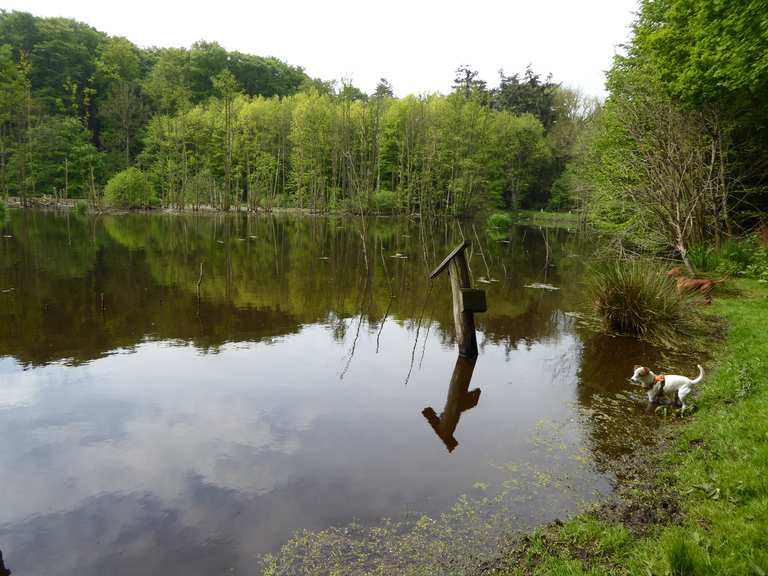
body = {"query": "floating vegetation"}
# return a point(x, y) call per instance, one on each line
point(541, 286)
point(460, 541)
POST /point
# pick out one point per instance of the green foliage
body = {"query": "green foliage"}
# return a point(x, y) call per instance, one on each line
point(500, 220)
point(264, 134)
point(385, 202)
point(61, 54)
point(527, 95)
point(61, 156)
point(683, 556)
point(748, 257)
point(705, 51)
point(703, 257)
point(129, 189)
point(737, 257)
point(701, 62)
point(636, 298)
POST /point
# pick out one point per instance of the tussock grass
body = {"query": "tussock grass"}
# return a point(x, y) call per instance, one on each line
point(636, 298)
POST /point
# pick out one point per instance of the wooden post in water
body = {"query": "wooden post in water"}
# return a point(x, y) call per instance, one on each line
point(466, 300)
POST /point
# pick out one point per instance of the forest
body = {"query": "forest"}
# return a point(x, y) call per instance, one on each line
point(177, 127)
point(673, 157)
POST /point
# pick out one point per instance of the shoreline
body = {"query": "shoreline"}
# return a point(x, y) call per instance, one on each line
point(699, 504)
point(524, 217)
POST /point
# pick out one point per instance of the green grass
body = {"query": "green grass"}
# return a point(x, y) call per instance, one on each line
point(636, 298)
point(542, 218)
point(500, 220)
point(716, 465)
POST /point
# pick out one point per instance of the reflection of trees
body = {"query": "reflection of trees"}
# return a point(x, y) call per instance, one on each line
point(263, 277)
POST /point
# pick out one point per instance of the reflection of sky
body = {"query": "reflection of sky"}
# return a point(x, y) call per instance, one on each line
point(232, 451)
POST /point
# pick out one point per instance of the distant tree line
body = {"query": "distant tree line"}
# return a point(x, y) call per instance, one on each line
point(209, 127)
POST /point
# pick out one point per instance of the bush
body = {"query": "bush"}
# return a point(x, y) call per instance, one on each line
point(500, 220)
point(636, 298)
point(385, 202)
point(744, 258)
point(3, 210)
point(129, 189)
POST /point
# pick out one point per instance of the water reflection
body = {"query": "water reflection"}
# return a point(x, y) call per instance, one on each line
point(460, 399)
point(145, 429)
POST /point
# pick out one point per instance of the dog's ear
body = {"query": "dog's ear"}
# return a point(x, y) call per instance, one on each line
point(643, 371)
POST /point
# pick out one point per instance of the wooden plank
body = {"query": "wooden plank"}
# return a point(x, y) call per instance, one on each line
point(458, 270)
point(444, 264)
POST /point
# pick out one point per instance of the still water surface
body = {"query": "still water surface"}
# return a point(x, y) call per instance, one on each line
point(180, 394)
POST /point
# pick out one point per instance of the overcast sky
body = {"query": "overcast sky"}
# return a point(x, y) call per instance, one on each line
point(417, 45)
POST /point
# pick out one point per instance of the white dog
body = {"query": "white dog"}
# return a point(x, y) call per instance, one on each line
point(658, 386)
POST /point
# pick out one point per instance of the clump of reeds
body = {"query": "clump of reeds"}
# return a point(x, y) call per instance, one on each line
point(637, 298)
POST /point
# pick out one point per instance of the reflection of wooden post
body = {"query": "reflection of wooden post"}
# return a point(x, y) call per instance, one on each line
point(466, 300)
point(460, 398)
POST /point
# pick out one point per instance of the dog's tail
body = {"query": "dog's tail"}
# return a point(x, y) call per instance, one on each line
point(700, 377)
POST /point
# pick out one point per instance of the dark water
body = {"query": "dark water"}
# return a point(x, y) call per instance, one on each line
point(146, 430)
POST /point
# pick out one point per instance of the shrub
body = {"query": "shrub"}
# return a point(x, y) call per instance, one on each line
point(129, 189)
point(747, 257)
point(636, 298)
point(3, 210)
point(385, 202)
point(500, 220)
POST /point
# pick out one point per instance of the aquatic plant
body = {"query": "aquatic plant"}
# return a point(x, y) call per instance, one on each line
point(636, 298)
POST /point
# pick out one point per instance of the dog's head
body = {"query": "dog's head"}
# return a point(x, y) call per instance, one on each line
point(675, 272)
point(642, 376)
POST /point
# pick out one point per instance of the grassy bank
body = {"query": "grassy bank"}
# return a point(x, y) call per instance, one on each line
point(540, 218)
point(698, 505)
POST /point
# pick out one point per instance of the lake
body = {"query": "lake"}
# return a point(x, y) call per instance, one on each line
point(180, 394)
